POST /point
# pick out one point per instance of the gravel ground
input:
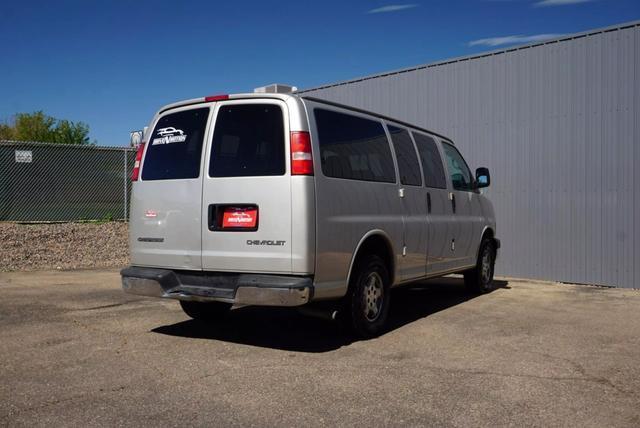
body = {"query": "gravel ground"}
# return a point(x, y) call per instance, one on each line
point(63, 246)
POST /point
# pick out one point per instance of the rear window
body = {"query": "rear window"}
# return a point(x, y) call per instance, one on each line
point(353, 147)
point(175, 146)
point(248, 141)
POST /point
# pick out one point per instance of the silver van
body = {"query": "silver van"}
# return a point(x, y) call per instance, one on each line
point(286, 200)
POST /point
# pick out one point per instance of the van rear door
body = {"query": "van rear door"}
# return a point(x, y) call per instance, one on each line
point(166, 200)
point(246, 194)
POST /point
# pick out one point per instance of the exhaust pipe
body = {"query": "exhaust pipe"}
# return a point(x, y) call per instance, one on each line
point(327, 314)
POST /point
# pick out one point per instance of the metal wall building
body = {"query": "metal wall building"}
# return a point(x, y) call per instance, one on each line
point(558, 125)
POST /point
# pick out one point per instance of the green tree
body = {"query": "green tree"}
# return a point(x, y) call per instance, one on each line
point(6, 132)
point(67, 132)
point(34, 127)
point(38, 126)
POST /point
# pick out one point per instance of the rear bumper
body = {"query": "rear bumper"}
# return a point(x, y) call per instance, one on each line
point(236, 288)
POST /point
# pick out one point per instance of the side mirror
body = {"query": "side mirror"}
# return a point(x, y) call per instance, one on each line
point(483, 178)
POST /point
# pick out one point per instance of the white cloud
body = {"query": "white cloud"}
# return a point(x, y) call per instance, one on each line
point(510, 40)
point(560, 2)
point(393, 8)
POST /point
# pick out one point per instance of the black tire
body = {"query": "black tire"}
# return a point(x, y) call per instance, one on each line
point(205, 311)
point(367, 301)
point(479, 280)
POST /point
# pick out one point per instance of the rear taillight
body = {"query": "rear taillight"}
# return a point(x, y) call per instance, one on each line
point(301, 158)
point(136, 165)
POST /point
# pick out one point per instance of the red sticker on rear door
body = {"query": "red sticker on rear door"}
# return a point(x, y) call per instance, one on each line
point(240, 217)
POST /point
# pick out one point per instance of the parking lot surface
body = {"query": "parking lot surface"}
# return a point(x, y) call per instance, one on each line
point(75, 350)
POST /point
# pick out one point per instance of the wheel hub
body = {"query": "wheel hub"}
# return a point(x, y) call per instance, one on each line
point(373, 296)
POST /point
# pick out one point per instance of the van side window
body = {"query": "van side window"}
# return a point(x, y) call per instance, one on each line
point(431, 162)
point(175, 146)
point(353, 147)
point(458, 169)
point(248, 141)
point(408, 165)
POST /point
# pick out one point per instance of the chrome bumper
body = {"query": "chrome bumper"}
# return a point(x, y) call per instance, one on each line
point(238, 289)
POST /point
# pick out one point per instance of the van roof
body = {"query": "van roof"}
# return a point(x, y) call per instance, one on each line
point(381, 116)
point(183, 103)
point(284, 97)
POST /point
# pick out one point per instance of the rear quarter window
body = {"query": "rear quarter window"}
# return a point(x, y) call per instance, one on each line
point(353, 147)
point(175, 146)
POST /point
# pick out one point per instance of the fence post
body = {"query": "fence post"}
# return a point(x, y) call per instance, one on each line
point(126, 189)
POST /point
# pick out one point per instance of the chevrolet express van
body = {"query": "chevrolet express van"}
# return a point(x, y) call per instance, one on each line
point(286, 200)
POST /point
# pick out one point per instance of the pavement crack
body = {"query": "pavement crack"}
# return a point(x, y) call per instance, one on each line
point(111, 305)
point(44, 405)
point(591, 379)
point(61, 401)
point(583, 372)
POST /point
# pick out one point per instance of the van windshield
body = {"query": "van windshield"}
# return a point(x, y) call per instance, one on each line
point(175, 146)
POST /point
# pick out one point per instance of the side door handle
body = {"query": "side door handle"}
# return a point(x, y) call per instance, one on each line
point(452, 196)
point(428, 203)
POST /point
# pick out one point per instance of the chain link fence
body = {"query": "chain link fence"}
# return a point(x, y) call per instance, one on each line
point(42, 182)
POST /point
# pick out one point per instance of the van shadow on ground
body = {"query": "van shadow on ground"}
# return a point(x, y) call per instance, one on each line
point(287, 329)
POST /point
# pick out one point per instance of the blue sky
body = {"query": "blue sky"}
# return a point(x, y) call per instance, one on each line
point(111, 64)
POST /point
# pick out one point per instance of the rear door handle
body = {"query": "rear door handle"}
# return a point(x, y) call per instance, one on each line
point(428, 203)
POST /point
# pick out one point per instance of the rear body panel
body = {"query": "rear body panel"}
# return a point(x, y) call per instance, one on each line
point(170, 221)
point(165, 216)
point(162, 224)
point(267, 249)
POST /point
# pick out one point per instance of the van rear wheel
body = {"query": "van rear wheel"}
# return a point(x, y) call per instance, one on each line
point(367, 303)
point(205, 311)
point(480, 279)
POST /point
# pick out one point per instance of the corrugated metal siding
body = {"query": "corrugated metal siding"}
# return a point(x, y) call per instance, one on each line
point(557, 124)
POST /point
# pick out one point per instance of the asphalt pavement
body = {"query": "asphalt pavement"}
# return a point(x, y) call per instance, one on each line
point(76, 351)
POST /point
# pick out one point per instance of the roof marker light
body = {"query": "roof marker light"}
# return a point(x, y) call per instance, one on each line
point(211, 98)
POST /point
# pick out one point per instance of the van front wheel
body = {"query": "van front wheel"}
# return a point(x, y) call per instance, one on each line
point(480, 278)
point(205, 311)
point(367, 304)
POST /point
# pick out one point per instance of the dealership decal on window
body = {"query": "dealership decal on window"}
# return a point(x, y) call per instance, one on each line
point(24, 156)
point(169, 135)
